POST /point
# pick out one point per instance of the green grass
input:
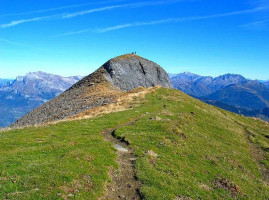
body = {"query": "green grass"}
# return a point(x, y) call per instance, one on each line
point(197, 145)
point(70, 158)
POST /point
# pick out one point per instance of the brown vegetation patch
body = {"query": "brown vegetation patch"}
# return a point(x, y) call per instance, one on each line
point(85, 183)
point(122, 101)
point(183, 198)
point(126, 56)
point(227, 185)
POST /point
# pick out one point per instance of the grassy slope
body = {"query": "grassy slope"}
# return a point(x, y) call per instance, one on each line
point(197, 145)
point(70, 158)
point(195, 151)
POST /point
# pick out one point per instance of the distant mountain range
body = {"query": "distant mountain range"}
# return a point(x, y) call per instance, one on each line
point(231, 92)
point(251, 95)
point(25, 93)
point(261, 113)
point(199, 86)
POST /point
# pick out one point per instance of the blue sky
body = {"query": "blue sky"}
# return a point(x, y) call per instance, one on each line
point(75, 37)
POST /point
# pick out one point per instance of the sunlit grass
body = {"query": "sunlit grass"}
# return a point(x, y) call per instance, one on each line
point(197, 146)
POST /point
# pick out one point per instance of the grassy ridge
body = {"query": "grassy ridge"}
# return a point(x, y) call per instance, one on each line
point(202, 153)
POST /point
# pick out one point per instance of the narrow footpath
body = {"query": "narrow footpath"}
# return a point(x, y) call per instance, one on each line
point(124, 184)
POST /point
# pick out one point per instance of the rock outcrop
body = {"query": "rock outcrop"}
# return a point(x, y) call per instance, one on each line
point(118, 75)
point(131, 71)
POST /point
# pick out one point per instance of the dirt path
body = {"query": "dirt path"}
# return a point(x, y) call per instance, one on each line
point(124, 184)
point(257, 154)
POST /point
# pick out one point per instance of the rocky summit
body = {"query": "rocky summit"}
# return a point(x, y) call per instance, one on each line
point(131, 71)
point(116, 76)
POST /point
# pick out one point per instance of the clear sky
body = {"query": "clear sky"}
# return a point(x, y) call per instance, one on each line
point(75, 37)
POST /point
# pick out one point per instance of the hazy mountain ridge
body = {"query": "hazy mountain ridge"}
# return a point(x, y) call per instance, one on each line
point(261, 113)
point(231, 92)
point(251, 95)
point(199, 86)
point(27, 92)
point(40, 85)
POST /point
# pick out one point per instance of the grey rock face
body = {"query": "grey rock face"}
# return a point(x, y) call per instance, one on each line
point(123, 73)
point(131, 71)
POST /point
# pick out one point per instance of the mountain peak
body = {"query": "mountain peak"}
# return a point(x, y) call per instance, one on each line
point(188, 73)
point(36, 75)
point(116, 76)
point(126, 57)
point(229, 76)
point(130, 71)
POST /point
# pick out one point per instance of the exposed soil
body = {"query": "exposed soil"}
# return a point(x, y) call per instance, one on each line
point(124, 183)
point(225, 184)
